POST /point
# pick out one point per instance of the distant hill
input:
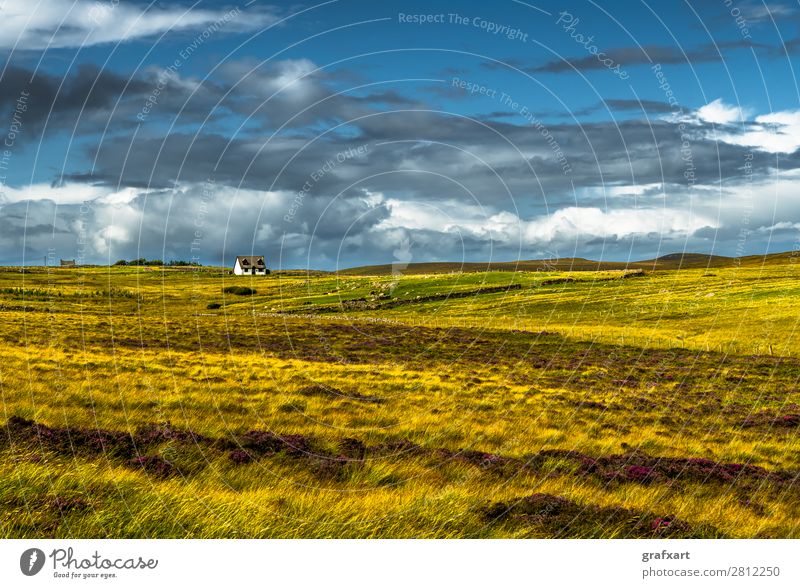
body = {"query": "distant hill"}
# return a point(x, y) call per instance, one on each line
point(671, 261)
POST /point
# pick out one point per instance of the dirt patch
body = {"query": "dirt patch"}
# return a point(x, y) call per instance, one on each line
point(560, 517)
point(67, 504)
point(491, 462)
point(154, 434)
point(399, 448)
point(240, 456)
point(353, 449)
point(154, 465)
point(266, 443)
point(644, 469)
point(632, 467)
point(70, 440)
point(771, 420)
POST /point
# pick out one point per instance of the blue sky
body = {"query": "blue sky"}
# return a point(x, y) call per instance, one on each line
point(351, 132)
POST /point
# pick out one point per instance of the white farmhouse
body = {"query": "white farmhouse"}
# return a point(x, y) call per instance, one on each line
point(250, 265)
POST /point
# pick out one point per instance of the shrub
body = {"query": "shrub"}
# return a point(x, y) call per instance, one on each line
point(182, 263)
point(213, 306)
point(239, 290)
point(140, 261)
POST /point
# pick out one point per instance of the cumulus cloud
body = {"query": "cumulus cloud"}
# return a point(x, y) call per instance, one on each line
point(563, 226)
point(207, 221)
point(215, 222)
point(433, 185)
point(70, 193)
point(586, 224)
point(719, 113)
point(776, 132)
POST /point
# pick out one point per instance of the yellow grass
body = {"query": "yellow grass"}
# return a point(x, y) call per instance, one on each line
point(669, 364)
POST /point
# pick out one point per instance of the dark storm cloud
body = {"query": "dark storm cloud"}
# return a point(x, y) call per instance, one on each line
point(503, 163)
point(295, 93)
point(281, 163)
point(59, 102)
point(165, 224)
point(88, 100)
point(788, 48)
point(648, 106)
point(482, 155)
point(632, 56)
point(30, 229)
point(290, 94)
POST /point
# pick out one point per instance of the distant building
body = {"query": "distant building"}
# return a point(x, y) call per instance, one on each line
point(68, 263)
point(250, 265)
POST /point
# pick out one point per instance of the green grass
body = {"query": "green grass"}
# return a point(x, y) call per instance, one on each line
point(677, 365)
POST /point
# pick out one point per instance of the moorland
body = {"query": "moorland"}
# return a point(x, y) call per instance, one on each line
point(538, 400)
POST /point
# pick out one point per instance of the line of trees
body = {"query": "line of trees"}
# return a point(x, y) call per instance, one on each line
point(171, 263)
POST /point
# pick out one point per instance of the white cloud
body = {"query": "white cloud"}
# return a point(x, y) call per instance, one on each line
point(67, 23)
point(719, 113)
point(66, 194)
point(776, 132)
point(781, 226)
point(563, 225)
point(587, 223)
point(371, 227)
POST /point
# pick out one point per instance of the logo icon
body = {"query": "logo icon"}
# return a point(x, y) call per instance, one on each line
point(31, 561)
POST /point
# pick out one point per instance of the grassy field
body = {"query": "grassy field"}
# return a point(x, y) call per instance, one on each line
point(149, 402)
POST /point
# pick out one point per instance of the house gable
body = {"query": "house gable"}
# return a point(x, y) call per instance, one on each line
point(250, 265)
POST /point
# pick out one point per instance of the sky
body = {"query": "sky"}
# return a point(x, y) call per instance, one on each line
point(348, 133)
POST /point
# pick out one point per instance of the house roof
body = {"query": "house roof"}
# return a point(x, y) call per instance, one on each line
point(248, 260)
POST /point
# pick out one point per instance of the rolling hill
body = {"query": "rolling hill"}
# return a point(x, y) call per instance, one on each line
point(672, 261)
